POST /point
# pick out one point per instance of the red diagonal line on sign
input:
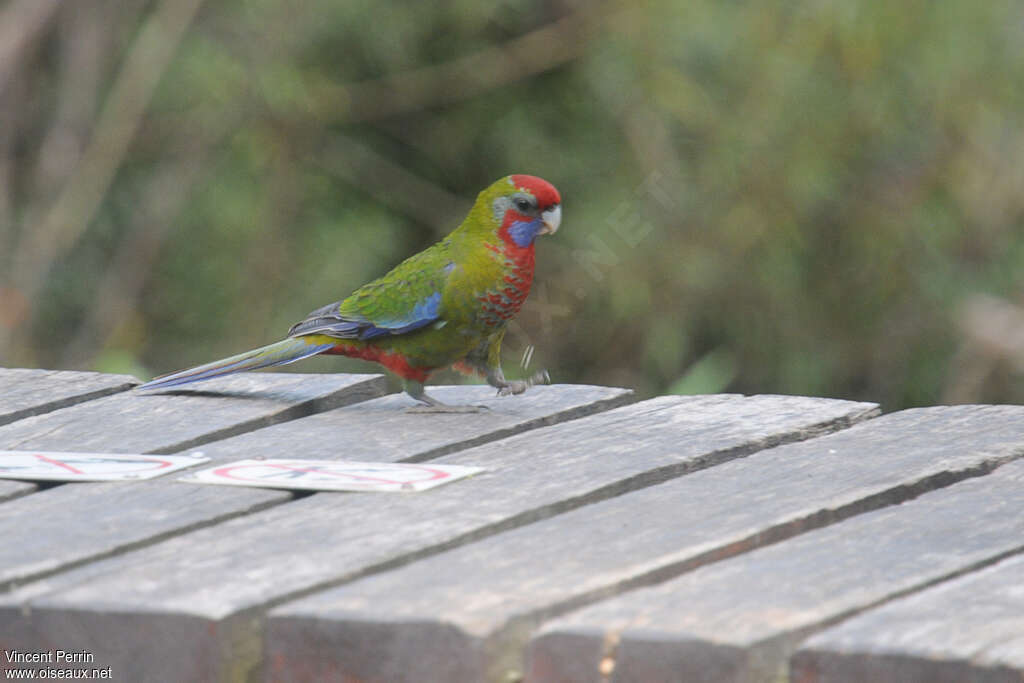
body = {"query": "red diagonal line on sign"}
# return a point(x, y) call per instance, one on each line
point(227, 472)
point(146, 464)
point(306, 470)
point(436, 474)
point(58, 463)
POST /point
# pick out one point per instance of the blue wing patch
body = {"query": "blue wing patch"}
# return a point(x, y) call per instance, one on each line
point(330, 321)
point(423, 313)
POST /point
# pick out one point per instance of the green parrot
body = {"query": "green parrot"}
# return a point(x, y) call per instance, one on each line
point(448, 305)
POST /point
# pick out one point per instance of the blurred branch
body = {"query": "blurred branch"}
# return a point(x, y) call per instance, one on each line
point(84, 48)
point(117, 296)
point(20, 22)
point(75, 207)
point(10, 115)
point(530, 54)
point(391, 184)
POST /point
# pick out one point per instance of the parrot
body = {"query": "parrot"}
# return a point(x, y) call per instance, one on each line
point(447, 306)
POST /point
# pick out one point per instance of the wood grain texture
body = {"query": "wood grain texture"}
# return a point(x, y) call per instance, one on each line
point(25, 392)
point(171, 421)
point(10, 489)
point(166, 422)
point(746, 615)
point(65, 526)
point(382, 430)
point(967, 630)
point(493, 592)
point(227, 574)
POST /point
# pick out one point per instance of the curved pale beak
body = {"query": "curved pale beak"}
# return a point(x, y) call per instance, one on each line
point(551, 219)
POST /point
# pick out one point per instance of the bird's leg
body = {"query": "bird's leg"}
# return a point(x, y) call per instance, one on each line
point(496, 378)
point(416, 391)
point(486, 360)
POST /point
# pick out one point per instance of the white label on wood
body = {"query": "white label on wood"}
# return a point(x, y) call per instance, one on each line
point(53, 466)
point(332, 475)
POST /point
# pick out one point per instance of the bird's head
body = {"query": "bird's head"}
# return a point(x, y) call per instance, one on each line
point(522, 206)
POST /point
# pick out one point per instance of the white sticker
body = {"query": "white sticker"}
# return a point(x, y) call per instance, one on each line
point(332, 475)
point(46, 465)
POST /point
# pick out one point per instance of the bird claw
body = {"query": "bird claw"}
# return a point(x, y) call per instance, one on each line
point(516, 387)
point(520, 385)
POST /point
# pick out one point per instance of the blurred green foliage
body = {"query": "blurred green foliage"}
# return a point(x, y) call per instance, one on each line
point(781, 197)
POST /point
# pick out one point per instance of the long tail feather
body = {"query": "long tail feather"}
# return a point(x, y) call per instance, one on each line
point(285, 351)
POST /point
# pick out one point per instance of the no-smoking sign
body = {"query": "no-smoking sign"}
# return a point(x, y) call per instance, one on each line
point(54, 466)
point(332, 475)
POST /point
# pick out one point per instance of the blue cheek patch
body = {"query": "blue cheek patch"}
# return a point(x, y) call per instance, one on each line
point(524, 232)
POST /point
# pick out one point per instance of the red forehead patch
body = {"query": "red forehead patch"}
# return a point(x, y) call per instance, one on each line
point(544, 191)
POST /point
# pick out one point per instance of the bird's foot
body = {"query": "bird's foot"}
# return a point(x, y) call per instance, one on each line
point(520, 385)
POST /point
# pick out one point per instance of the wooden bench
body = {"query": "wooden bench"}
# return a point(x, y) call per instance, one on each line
point(681, 538)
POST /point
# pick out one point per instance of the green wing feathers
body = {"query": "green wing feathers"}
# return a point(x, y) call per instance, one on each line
point(409, 297)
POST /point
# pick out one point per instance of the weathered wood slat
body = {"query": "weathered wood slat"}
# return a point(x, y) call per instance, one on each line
point(172, 421)
point(968, 630)
point(68, 525)
point(207, 587)
point(61, 526)
point(24, 392)
point(382, 430)
point(14, 489)
point(483, 598)
point(740, 619)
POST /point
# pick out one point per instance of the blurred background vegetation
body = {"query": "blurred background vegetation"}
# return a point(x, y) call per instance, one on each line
point(819, 197)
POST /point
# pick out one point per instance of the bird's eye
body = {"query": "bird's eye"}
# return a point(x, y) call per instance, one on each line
point(522, 204)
